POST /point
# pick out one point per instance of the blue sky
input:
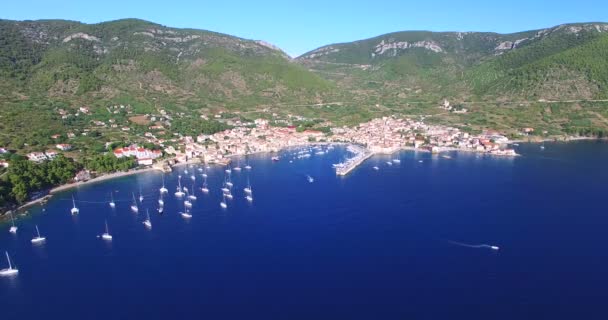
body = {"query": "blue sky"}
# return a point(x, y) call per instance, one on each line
point(304, 25)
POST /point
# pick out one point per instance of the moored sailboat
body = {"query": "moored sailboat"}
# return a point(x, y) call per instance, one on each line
point(106, 235)
point(74, 210)
point(134, 207)
point(38, 239)
point(13, 228)
point(10, 271)
point(163, 189)
point(147, 222)
point(112, 203)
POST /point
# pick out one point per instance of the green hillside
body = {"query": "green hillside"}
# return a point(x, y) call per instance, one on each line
point(70, 60)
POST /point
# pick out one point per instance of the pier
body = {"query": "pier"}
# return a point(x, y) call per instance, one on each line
point(361, 154)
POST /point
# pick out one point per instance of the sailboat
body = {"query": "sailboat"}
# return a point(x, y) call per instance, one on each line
point(161, 202)
point(74, 210)
point(187, 202)
point(163, 189)
point(223, 203)
point(542, 146)
point(310, 179)
point(10, 271)
point(228, 170)
point(229, 196)
point(186, 214)
point(225, 188)
point(106, 235)
point(38, 239)
point(204, 174)
point(376, 168)
point(134, 207)
point(179, 193)
point(13, 228)
point(249, 194)
point(192, 196)
point(247, 189)
point(199, 169)
point(204, 189)
point(192, 177)
point(228, 182)
point(112, 203)
point(141, 197)
point(147, 222)
point(238, 166)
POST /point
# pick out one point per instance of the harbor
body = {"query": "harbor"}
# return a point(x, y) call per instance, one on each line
point(361, 154)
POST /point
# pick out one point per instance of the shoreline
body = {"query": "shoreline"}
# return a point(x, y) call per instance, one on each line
point(556, 139)
point(69, 186)
point(368, 155)
point(101, 178)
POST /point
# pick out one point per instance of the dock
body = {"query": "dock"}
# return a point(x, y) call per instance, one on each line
point(361, 154)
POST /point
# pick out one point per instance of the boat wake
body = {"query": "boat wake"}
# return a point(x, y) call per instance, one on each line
point(474, 246)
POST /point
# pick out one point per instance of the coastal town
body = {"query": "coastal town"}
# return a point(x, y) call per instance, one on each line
point(379, 136)
point(385, 135)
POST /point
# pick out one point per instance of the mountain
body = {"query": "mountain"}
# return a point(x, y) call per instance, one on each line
point(563, 62)
point(50, 68)
point(140, 60)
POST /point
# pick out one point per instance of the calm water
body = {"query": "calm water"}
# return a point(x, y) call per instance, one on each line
point(373, 245)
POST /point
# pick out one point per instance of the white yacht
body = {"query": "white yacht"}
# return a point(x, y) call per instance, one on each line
point(10, 271)
point(389, 163)
point(192, 177)
point(310, 179)
point(225, 188)
point(228, 170)
point(13, 228)
point(223, 203)
point(229, 196)
point(205, 189)
point(179, 193)
point(186, 214)
point(147, 222)
point(112, 203)
point(134, 207)
point(107, 236)
point(247, 189)
point(163, 189)
point(161, 202)
point(396, 161)
point(74, 210)
point(376, 168)
point(249, 195)
point(38, 239)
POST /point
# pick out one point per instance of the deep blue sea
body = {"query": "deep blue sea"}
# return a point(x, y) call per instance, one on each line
point(377, 244)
